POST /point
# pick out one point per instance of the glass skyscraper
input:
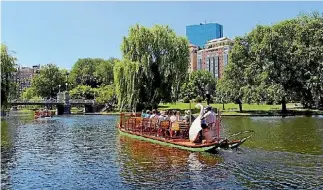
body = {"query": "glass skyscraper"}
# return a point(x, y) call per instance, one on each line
point(200, 34)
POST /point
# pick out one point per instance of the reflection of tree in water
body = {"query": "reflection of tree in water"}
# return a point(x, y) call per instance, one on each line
point(145, 164)
point(6, 154)
point(8, 135)
point(291, 134)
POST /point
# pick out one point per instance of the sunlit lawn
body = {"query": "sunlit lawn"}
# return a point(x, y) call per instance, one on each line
point(231, 108)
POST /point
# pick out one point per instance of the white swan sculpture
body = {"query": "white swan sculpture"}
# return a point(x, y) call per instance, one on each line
point(196, 125)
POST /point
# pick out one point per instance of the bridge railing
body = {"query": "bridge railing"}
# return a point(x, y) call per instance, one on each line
point(81, 101)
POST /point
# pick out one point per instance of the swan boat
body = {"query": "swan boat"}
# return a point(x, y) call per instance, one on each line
point(180, 135)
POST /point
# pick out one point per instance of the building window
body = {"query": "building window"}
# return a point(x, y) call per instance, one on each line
point(225, 59)
point(199, 63)
point(216, 66)
point(207, 63)
point(212, 65)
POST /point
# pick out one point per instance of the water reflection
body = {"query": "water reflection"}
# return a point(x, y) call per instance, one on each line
point(143, 164)
point(8, 141)
point(291, 134)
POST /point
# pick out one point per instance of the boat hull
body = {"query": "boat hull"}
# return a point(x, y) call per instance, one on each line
point(209, 148)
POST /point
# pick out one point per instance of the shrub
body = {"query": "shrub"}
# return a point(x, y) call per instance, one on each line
point(211, 100)
point(198, 99)
point(186, 100)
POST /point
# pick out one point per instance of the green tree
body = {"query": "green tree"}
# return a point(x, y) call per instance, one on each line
point(127, 83)
point(197, 84)
point(14, 89)
point(85, 71)
point(277, 63)
point(104, 71)
point(82, 91)
point(157, 61)
point(7, 67)
point(310, 58)
point(47, 82)
point(28, 93)
point(104, 94)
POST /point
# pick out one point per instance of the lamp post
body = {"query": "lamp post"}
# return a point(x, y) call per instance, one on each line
point(190, 94)
point(207, 93)
point(66, 75)
point(223, 100)
point(66, 87)
point(59, 88)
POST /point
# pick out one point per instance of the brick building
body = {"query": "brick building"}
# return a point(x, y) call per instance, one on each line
point(193, 57)
point(24, 75)
point(214, 57)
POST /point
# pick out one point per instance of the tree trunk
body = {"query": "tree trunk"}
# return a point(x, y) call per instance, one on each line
point(240, 107)
point(223, 106)
point(321, 103)
point(284, 109)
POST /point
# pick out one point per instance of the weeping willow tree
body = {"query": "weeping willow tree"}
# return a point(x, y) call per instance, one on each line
point(7, 67)
point(126, 81)
point(155, 63)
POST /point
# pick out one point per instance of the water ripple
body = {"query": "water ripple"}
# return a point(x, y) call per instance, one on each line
point(86, 152)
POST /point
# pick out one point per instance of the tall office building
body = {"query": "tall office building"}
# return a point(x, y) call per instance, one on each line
point(200, 34)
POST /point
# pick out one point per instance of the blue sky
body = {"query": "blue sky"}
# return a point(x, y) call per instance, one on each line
point(62, 32)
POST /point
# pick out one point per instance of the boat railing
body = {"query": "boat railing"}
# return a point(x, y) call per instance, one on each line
point(152, 126)
point(134, 122)
point(218, 124)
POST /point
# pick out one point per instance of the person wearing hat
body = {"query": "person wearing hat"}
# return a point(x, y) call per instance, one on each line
point(147, 114)
point(163, 116)
point(187, 116)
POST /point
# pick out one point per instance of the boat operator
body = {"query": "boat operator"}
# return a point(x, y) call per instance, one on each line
point(207, 122)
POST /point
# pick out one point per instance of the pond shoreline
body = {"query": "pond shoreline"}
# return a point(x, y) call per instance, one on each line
point(226, 115)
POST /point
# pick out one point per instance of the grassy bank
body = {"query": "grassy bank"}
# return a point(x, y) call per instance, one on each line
point(232, 109)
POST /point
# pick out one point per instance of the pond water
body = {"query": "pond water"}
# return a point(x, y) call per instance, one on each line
point(86, 152)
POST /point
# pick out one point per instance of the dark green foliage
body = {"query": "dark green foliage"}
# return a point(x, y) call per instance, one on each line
point(197, 84)
point(154, 65)
point(277, 64)
point(186, 100)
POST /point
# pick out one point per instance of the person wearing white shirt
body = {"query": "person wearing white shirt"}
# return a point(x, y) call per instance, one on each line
point(209, 119)
point(173, 118)
point(154, 114)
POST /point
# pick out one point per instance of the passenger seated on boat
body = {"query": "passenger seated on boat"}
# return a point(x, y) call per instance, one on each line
point(178, 116)
point(143, 114)
point(147, 114)
point(169, 113)
point(173, 118)
point(187, 116)
point(154, 115)
point(163, 116)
